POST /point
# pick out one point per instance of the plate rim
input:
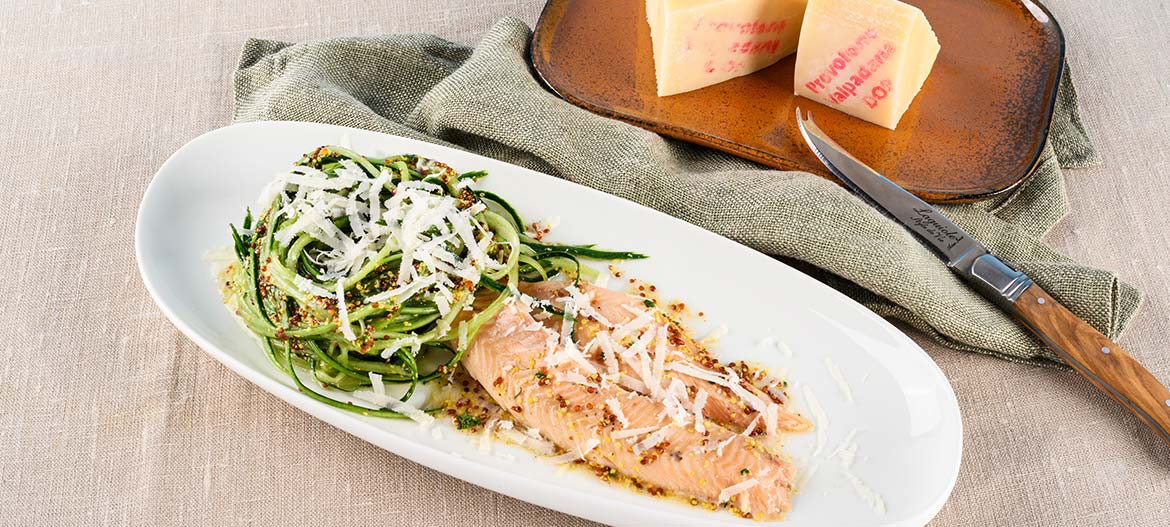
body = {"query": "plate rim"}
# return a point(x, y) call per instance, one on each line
point(965, 195)
point(510, 484)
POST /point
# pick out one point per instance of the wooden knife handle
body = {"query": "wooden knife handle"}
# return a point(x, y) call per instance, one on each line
point(1100, 360)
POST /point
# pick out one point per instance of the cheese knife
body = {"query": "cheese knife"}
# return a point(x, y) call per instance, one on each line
point(1103, 362)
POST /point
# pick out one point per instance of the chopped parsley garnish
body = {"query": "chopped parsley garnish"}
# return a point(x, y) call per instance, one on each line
point(465, 421)
point(649, 303)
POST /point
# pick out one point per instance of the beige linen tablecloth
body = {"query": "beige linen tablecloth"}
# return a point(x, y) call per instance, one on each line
point(109, 416)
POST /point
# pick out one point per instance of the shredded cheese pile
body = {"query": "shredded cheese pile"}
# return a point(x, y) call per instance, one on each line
point(430, 228)
point(642, 343)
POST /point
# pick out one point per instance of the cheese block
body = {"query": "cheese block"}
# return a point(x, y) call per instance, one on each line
point(867, 58)
point(698, 43)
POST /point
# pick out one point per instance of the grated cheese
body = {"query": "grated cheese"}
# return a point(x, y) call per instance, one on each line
point(615, 406)
point(609, 356)
point(714, 335)
point(575, 377)
point(386, 401)
point(647, 369)
point(343, 313)
point(412, 342)
point(822, 420)
point(307, 286)
point(583, 302)
point(747, 430)
point(462, 342)
point(730, 380)
point(867, 494)
point(410, 411)
point(538, 444)
point(640, 321)
point(579, 452)
point(652, 440)
point(568, 350)
point(428, 227)
point(590, 444)
point(377, 385)
point(567, 457)
point(632, 432)
point(719, 448)
point(847, 450)
point(700, 402)
point(772, 418)
point(734, 490)
point(632, 384)
point(672, 403)
point(837, 376)
point(660, 352)
point(402, 292)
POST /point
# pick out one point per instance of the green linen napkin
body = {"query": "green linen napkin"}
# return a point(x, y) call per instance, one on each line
point(486, 100)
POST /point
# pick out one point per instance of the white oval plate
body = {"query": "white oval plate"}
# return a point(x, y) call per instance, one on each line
point(903, 415)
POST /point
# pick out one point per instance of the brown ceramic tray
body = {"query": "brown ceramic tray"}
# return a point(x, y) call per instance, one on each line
point(975, 130)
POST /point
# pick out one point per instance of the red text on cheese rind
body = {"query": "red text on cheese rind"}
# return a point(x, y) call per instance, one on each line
point(840, 61)
point(755, 47)
point(752, 27)
point(849, 88)
point(878, 93)
point(725, 66)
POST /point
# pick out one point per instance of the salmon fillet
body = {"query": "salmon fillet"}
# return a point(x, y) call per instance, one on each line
point(546, 385)
point(607, 309)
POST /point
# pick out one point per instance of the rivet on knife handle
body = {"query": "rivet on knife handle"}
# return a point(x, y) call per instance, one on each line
point(1089, 352)
point(1099, 359)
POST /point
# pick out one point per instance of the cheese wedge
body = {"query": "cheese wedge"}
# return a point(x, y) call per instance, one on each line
point(867, 58)
point(698, 43)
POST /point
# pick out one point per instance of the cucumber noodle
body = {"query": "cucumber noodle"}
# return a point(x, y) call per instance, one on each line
point(421, 260)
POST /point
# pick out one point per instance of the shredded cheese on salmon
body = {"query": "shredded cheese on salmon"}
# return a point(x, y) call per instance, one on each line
point(615, 406)
point(632, 432)
point(734, 490)
point(652, 440)
point(700, 402)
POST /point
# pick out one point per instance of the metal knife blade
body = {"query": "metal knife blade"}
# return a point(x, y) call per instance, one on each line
point(950, 240)
point(1100, 360)
point(961, 251)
